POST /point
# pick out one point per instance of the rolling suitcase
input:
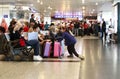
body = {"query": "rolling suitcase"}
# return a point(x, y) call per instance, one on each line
point(57, 49)
point(80, 32)
point(62, 48)
point(47, 49)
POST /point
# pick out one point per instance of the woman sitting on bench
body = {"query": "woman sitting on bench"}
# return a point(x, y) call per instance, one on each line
point(17, 34)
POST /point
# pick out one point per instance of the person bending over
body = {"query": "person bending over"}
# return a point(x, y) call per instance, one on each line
point(70, 42)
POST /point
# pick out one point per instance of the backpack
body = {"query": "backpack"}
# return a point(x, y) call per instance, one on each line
point(3, 44)
point(22, 42)
point(4, 47)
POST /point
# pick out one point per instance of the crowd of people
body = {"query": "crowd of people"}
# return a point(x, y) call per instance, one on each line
point(16, 31)
point(56, 32)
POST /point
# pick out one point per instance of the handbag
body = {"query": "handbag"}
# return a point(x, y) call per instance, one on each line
point(71, 33)
point(22, 42)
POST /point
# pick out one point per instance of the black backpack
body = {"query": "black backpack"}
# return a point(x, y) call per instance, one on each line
point(3, 43)
point(4, 46)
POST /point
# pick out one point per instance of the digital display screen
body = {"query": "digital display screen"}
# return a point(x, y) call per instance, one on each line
point(5, 16)
point(68, 15)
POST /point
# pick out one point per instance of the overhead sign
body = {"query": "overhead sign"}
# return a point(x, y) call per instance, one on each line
point(5, 16)
point(68, 15)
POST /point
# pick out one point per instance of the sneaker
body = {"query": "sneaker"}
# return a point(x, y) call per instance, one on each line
point(70, 56)
point(82, 57)
point(62, 55)
point(37, 58)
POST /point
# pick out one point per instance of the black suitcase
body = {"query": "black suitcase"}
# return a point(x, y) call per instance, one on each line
point(81, 32)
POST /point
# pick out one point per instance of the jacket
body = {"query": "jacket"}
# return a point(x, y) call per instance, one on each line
point(69, 39)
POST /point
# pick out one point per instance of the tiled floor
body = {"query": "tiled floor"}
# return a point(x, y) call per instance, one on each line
point(102, 62)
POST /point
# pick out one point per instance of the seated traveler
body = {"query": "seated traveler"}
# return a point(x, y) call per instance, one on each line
point(18, 34)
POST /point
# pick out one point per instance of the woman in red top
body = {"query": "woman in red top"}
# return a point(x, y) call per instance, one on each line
point(85, 25)
point(26, 27)
point(86, 32)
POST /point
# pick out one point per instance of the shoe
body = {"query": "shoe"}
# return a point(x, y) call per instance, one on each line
point(37, 58)
point(62, 55)
point(70, 56)
point(82, 57)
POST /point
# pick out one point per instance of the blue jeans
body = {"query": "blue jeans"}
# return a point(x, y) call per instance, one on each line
point(76, 30)
point(35, 44)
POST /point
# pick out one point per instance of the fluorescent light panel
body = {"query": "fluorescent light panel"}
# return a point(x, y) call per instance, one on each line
point(83, 1)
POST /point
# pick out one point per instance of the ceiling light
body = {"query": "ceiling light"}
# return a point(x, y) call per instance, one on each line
point(96, 3)
point(41, 3)
point(83, 7)
point(38, 1)
point(49, 7)
point(83, 1)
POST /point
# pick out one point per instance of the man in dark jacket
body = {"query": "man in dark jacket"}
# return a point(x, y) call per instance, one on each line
point(76, 28)
point(104, 29)
point(32, 21)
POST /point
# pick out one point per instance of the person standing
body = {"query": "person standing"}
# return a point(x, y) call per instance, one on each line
point(42, 26)
point(110, 24)
point(85, 25)
point(4, 24)
point(76, 28)
point(104, 29)
point(110, 31)
point(46, 26)
point(32, 21)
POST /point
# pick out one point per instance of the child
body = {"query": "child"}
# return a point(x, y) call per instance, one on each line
point(70, 42)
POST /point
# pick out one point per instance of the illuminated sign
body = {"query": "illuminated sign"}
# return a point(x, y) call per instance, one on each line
point(5, 16)
point(68, 15)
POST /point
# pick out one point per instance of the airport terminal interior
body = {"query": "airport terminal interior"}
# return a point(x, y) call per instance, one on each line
point(59, 39)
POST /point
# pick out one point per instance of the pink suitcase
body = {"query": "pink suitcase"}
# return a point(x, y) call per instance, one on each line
point(47, 49)
point(57, 49)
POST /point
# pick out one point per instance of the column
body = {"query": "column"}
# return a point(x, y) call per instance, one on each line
point(118, 22)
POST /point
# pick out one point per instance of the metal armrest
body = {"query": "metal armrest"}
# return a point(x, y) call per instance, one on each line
point(14, 43)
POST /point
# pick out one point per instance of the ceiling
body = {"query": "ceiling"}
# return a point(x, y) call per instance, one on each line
point(52, 6)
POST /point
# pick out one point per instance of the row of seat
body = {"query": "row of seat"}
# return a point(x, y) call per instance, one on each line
point(10, 50)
